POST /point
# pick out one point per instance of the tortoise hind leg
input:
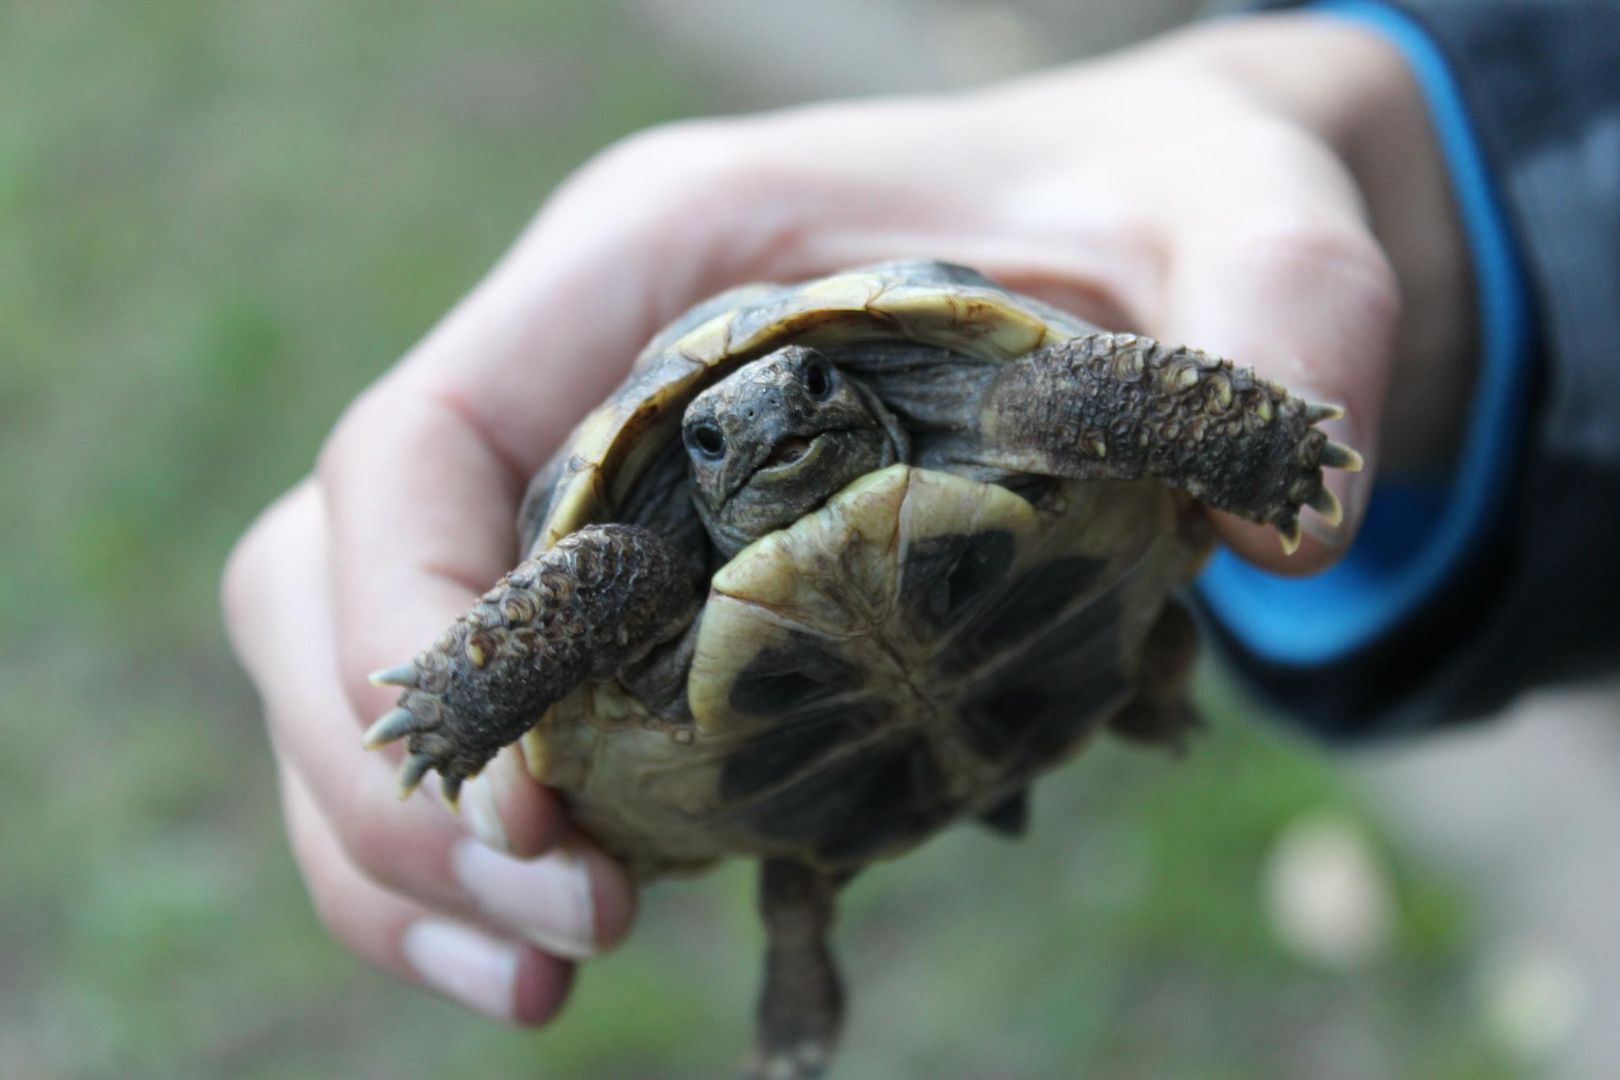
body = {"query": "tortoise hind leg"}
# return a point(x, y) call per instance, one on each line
point(801, 1005)
point(1160, 714)
point(1010, 816)
point(1118, 407)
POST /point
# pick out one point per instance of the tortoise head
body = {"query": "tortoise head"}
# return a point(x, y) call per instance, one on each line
point(777, 438)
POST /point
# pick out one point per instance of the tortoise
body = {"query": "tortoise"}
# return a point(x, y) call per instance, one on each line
point(842, 562)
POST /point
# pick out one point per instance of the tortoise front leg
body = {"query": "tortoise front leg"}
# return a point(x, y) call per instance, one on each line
point(600, 600)
point(801, 1005)
point(1119, 407)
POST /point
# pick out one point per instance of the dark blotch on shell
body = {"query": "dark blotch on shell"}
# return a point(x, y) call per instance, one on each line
point(944, 576)
point(861, 804)
point(783, 752)
point(792, 677)
point(1030, 603)
point(1057, 688)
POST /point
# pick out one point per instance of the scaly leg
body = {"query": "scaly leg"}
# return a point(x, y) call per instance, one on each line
point(1119, 406)
point(600, 600)
point(1160, 714)
point(802, 1003)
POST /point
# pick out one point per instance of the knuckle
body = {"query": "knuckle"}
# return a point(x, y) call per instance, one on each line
point(685, 176)
point(1291, 244)
point(242, 583)
point(335, 889)
point(238, 587)
point(357, 918)
point(1299, 250)
point(330, 901)
point(710, 195)
point(370, 835)
point(350, 439)
point(678, 150)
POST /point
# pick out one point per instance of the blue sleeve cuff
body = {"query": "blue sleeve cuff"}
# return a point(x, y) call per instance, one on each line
point(1412, 537)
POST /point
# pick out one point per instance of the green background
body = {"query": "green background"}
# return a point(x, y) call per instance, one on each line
point(218, 221)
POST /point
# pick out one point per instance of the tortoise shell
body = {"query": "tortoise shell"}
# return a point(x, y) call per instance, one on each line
point(913, 652)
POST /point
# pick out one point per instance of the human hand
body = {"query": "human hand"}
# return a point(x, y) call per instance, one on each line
point(1264, 189)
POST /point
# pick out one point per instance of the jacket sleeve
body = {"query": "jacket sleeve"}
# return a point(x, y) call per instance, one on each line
point(1454, 601)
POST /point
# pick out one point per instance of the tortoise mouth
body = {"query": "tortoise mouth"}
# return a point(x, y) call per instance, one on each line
point(790, 450)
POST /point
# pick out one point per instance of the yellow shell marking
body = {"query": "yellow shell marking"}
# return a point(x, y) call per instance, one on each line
point(849, 292)
point(577, 502)
point(979, 321)
point(708, 344)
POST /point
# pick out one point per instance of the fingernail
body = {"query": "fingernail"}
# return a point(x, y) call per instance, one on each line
point(479, 807)
point(547, 900)
point(464, 963)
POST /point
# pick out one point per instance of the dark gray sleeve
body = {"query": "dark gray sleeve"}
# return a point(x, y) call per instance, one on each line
point(1536, 598)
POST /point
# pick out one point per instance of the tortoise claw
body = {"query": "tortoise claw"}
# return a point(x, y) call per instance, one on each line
point(1289, 535)
point(410, 774)
point(1318, 411)
point(1339, 456)
point(397, 725)
point(391, 726)
point(403, 675)
point(1327, 504)
point(450, 786)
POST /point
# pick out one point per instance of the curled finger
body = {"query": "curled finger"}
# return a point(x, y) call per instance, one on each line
point(571, 901)
point(497, 975)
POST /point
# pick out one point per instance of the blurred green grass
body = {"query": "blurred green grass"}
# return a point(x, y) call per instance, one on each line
point(219, 221)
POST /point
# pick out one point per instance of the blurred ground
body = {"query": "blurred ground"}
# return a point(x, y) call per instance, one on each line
point(1526, 812)
point(218, 223)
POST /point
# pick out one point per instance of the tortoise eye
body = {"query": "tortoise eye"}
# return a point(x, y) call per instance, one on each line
point(705, 438)
point(818, 378)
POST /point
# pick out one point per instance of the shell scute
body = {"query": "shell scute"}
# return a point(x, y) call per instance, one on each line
point(980, 322)
point(710, 342)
